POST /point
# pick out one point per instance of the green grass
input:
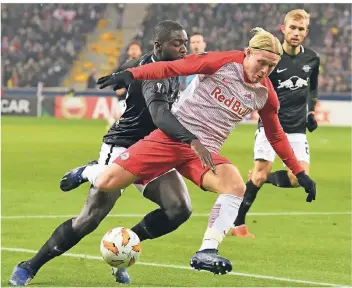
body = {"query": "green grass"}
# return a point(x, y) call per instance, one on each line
point(317, 248)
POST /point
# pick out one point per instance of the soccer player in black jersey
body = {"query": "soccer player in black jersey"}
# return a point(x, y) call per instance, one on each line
point(148, 104)
point(295, 80)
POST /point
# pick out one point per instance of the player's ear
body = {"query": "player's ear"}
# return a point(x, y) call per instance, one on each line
point(247, 51)
point(307, 31)
point(283, 28)
point(157, 46)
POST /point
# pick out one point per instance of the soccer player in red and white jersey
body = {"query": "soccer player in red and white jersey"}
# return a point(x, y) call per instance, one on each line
point(229, 86)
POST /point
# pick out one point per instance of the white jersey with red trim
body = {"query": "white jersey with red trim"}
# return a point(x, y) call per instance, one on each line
point(213, 105)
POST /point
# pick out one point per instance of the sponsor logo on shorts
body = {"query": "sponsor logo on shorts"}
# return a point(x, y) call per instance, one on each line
point(125, 156)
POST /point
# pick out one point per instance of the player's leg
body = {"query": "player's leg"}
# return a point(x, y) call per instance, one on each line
point(145, 160)
point(229, 185)
point(67, 234)
point(105, 178)
point(284, 178)
point(170, 192)
point(258, 177)
point(264, 156)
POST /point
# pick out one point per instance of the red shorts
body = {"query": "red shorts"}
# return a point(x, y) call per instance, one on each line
point(157, 154)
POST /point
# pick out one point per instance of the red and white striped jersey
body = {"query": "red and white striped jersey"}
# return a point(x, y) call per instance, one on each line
point(212, 106)
point(219, 97)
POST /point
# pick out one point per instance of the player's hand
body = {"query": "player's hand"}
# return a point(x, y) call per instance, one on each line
point(119, 79)
point(312, 124)
point(308, 185)
point(203, 154)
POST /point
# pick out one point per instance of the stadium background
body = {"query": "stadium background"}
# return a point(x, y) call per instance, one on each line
point(48, 53)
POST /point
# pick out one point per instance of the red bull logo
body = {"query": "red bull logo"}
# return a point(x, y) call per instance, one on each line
point(231, 103)
point(293, 83)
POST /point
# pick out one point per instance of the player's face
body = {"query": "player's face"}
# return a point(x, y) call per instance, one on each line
point(175, 47)
point(134, 51)
point(197, 44)
point(295, 31)
point(259, 64)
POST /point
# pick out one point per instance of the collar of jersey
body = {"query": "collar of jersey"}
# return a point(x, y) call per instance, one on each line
point(154, 58)
point(301, 50)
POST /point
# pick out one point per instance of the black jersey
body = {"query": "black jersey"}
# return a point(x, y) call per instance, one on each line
point(293, 79)
point(136, 122)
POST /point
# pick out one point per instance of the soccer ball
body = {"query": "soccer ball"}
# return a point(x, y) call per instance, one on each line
point(120, 247)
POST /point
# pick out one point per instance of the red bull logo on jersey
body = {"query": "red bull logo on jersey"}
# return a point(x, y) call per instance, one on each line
point(293, 83)
point(231, 103)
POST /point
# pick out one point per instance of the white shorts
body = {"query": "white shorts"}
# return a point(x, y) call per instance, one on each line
point(263, 149)
point(108, 153)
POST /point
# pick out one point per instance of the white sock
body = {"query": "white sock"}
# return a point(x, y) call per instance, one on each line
point(221, 219)
point(93, 171)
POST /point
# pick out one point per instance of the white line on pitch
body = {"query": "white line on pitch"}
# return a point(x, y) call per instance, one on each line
point(187, 268)
point(193, 215)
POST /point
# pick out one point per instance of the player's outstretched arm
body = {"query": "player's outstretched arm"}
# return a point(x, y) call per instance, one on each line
point(278, 140)
point(207, 63)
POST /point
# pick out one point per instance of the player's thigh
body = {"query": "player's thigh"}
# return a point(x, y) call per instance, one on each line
point(168, 191)
point(115, 178)
point(300, 146)
point(98, 205)
point(226, 181)
point(155, 155)
point(262, 148)
point(193, 169)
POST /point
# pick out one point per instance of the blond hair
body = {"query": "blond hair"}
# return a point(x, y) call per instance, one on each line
point(264, 40)
point(297, 14)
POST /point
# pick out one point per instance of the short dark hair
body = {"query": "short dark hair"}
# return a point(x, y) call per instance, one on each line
point(197, 33)
point(134, 43)
point(163, 30)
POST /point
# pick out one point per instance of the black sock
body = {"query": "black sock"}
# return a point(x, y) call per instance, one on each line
point(279, 179)
point(248, 199)
point(63, 238)
point(154, 225)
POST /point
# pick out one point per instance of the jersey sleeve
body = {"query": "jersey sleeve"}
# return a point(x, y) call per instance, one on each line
point(274, 132)
point(155, 94)
point(207, 63)
point(313, 86)
point(155, 90)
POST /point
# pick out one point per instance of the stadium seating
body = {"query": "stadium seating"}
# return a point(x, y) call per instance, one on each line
point(227, 26)
point(41, 41)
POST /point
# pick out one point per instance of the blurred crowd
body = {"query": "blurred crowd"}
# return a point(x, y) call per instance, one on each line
point(227, 26)
point(40, 41)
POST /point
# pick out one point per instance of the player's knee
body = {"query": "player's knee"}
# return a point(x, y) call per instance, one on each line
point(180, 211)
point(235, 188)
point(86, 224)
point(106, 183)
point(259, 177)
